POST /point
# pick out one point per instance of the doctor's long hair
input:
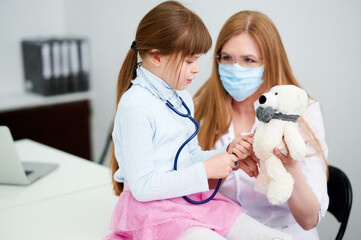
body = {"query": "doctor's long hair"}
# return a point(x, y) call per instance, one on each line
point(171, 29)
point(213, 108)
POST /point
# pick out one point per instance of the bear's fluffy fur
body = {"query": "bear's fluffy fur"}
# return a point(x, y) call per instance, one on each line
point(287, 102)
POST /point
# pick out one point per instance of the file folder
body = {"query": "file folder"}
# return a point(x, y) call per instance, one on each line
point(37, 66)
point(84, 64)
point(65, 67)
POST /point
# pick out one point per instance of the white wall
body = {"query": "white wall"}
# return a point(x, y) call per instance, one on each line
point(322, 39)
point(21, 19)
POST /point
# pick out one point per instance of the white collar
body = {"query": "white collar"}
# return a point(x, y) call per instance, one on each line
point(162, 87)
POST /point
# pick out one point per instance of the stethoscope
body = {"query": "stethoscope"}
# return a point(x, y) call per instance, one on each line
point(187, 115)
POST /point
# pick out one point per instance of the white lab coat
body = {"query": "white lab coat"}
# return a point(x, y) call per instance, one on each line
point(239, 186)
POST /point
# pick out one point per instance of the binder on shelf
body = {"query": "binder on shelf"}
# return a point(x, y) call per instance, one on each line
point(65, 67)
point(84, 64)
point(56, 66)
point(37, 69)
point(74, 66)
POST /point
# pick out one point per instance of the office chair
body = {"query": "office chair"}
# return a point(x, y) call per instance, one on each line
point(340, 194)
point(106, 147)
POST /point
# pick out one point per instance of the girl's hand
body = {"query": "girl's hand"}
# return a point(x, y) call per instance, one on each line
point(241, 146)
point(220, 165)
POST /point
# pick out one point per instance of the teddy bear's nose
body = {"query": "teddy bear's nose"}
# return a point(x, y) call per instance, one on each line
point(262, 99)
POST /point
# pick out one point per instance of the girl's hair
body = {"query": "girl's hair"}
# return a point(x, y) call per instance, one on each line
point(213, 109)
point(172, 30)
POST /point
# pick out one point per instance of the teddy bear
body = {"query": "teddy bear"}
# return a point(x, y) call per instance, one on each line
point(278, 113)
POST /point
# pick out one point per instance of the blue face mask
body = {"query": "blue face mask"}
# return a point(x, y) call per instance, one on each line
point(240, 82)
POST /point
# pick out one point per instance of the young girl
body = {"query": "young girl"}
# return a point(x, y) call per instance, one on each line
point(148, 133)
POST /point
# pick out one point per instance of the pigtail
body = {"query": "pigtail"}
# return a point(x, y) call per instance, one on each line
point(126, 74)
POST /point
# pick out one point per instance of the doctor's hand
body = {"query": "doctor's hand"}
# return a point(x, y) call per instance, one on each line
point(241, 146)
point(220, 165)
point(287, 160)
point(249, 165)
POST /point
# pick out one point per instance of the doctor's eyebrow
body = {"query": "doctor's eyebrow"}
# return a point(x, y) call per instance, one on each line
point(249, 56)
point(241, 56)
point(225, 53)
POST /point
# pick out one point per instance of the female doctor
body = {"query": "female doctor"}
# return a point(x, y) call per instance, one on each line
point(249, 60)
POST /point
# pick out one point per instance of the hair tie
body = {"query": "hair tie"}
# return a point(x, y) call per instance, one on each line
point(134, 46)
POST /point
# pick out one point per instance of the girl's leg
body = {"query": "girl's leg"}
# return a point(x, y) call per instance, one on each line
point(199, 233)
point(246, 227)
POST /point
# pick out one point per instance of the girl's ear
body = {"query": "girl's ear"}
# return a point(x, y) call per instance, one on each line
point(155, 57)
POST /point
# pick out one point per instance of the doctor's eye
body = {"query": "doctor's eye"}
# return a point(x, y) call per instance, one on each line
point(227, 58)
point(249, 60)
point(223, 58)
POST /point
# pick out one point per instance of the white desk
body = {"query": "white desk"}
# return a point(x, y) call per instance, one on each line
point(82, 215)
point(75, 201)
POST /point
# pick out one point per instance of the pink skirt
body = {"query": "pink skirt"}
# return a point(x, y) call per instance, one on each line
point(166, 219)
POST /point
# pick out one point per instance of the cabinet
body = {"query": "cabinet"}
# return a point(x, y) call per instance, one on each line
point(60, 122)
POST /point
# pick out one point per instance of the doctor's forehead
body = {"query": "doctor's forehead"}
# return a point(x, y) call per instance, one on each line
point(242, 45)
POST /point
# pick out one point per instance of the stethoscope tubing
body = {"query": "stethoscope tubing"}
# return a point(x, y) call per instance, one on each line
point(187, 115)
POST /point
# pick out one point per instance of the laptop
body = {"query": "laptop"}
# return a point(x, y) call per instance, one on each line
point(12, 170)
